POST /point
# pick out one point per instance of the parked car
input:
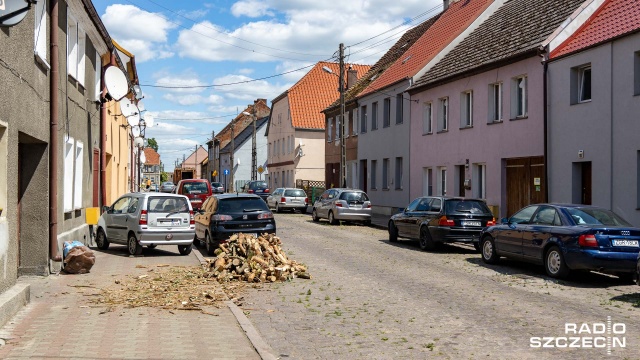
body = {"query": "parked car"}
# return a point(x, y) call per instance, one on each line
point(565, 238)
point(217, 188)
point(153, 188)
point(167, 187)
point(342, 204)
point(197, 190)
point(151, 219)
point(258, 187)
point(223, 215)
point(433, 220)
point(288, 199)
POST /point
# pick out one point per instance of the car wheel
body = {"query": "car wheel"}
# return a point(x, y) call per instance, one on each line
point(184, 249)
point(332, 220)
point(196, 241)
point(488, 247)
point(393, 232)
point(554, 263)
point(277, 208)
point(210, 248)
point(151, 246)
point(132, 244)
point(426, 241)
point(314, 216)
point(101, 240)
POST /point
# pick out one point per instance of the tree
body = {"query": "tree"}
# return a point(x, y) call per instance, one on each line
point(152, 143)
point(164, 176)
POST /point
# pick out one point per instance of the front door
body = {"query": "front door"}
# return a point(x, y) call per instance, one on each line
point(510, 240)
point(117, 224)
point(524, 182)
point(586, 183)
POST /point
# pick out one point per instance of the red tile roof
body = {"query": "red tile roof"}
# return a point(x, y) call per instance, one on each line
point(314, 92)
point(151, 156)
point(451, 23)
point(613, 19)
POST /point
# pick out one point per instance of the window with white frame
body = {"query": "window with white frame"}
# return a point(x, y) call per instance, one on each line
point(363, 119)
point(386, 114)
point(519, 97)
point(68, 174)
point(480, 179)
point(427, 181)
point(330, 130)
point(466, 109)
point(40, 31)
point(442, 183)
point(97, 75)
point(398, 178)
point(443, 123)
point(427, 118)
point(374, 172)
point(78, 176)
point(495, 102)
point(76, 42)
point(282, 146)
point(399, 108)
point(385, 173)
point(581, 84)
point(374, 116)
point(338, 128)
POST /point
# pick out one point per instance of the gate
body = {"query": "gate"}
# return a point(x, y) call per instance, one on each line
point(312, 188)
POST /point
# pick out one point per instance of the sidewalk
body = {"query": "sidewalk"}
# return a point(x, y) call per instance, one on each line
point(61, 322)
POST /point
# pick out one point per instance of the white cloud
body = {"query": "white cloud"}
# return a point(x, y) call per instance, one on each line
point(248, 91)
point(192, 99)
point(251, 8)
point(245, 71)
point(190, 83)
point(143, 33)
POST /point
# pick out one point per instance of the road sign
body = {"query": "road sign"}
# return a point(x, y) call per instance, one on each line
point(226, 171)
point(215, 173)
point(260, 169)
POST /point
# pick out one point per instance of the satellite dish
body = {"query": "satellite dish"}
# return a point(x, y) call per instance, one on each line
point(127, 108)
point(13, 11)
point(138, 141)
point(138, 91)
point(135, 131)
point(134, 119)
point(143, 159)
point(141, 107)
point(148, 119)
point(116, 82)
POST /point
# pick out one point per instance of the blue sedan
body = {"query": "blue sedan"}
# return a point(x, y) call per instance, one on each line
point(565, 238)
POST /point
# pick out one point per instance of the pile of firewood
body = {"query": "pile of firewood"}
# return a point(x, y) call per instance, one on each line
point(253, 259)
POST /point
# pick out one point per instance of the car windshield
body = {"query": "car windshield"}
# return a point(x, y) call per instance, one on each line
point(167, 184)
point(195, 188)
point(466, 207)
point(258, 185)
point(166, 204)
point(295, 193)
point(240, 205)
point(595, 216)
point(358, 196)
point(216, 184)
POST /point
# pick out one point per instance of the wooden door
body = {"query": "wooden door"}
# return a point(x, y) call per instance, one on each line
point(525, 182)
point(586, 183)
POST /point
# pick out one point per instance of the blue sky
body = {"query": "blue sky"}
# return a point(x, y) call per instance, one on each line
point(202, 43)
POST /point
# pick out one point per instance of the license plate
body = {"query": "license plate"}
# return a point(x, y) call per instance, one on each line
point(632, 243)
point(296, 201)
point(471, 223)
point(356, 206)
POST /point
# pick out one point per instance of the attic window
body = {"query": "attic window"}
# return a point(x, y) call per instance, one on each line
point(407, 59)
point(373, 77)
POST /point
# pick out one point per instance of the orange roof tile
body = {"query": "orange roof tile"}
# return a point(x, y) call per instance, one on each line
point(614, 18)
point(451, 23)
point(151, 156)
point(314, 92)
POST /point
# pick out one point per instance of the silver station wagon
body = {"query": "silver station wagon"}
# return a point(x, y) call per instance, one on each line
point(151, 219)
point(343, 204)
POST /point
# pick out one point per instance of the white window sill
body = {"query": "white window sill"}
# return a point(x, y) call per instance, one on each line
point(42, 61)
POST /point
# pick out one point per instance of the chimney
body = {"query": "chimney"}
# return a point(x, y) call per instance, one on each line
point(445, 5)
point(352, 77)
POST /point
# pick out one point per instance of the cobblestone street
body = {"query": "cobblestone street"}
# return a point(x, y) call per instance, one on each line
point(370, 299)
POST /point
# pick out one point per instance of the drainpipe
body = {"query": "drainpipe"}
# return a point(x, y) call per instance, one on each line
point(545, 126)
point(53, 137)
point(103, 135)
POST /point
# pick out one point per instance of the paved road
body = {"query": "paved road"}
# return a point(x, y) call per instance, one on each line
point(371, 299)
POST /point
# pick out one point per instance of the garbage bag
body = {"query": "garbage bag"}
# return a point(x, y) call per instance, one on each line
point(68, 245)
point(79, 260)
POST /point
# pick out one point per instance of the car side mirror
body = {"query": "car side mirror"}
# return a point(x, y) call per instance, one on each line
point(105, 208)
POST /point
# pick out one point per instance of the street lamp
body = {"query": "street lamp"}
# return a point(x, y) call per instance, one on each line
point(254, 160)
point(341, 89)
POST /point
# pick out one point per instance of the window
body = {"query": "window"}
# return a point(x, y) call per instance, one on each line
point(480, 180)
point(354, 122)
point(398, 179)
point(547, 216)
point(427, 118)
point(523, 216)
point(40, 31)
point(374, 170)
point(347, 125)
point(495, 102)
point(385, 174)
point(519, 97)
point(68, 175)
point(75, 49)
point(581, 84)
point(442, 184)
point(427, 181)
point(363, 119)
point(636, 73)
point(466, 109)
point(338, 137)
point(97, 74)
point(374, 116)
point(444, 114)
point(282, 147)
point(278, 148)
point(386, 115)
point(399, 108)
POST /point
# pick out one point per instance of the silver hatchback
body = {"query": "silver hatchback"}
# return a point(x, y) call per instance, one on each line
point(343, 204)
point(288, 199)
point(151, 219)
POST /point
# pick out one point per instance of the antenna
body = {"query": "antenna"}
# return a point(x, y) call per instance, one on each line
point(14, 11)
point(116, 82)
point(141, 107)
point(135, 130)
point(138, 91)
point(127, 108)
point(134, 120)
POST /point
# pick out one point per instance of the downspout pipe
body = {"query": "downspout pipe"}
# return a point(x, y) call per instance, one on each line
point(53, 136)
point(545, 75)
point(103, 135)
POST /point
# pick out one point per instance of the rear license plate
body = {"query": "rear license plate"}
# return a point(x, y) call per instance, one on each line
point(295, 201)
point(471, 223)
point(356, 206)
point(631, 243)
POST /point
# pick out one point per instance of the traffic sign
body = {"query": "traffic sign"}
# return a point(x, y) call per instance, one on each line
point(215, 173)
point(226, 171)
point(260, 169)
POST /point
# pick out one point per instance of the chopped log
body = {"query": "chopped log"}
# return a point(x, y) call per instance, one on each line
point(250, 277)
point(263, 277)
point(304, 275)
point(236, 262)
point(272, 278)
point(219, 264)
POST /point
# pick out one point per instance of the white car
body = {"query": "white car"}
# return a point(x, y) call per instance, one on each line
point(151, 219)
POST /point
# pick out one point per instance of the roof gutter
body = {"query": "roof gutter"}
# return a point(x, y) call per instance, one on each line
point(53, 137)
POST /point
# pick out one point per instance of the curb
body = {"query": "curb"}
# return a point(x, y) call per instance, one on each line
point(262, 348)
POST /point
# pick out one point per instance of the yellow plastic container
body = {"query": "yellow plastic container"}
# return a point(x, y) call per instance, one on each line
point(91, 215)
